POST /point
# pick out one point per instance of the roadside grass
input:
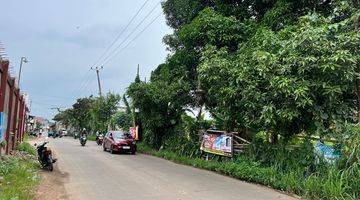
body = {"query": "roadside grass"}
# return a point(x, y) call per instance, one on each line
point(327, 183)
point(91, 137)
point(19, 174)
point(26, 147)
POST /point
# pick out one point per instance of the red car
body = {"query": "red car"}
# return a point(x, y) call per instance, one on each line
point(119, 141)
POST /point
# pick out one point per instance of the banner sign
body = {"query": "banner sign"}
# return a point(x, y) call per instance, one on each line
point(134, 132)
point(3, 125)
point(217, 142)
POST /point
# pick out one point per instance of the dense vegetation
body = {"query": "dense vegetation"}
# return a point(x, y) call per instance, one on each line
point(92, 113)
point(278, 72)
point(19, 173)
point(272, 71)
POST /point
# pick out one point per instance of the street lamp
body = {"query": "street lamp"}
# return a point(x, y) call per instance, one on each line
point(23, 60)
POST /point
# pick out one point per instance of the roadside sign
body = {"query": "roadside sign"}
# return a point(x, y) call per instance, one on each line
point(3, 125)
point(134, 132)
point(217, 142)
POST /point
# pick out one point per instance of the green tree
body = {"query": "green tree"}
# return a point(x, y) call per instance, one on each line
point(65, 117)
point(80, 113)
point(299, 79)
point(161, 104)
point(122, 120)
point(102, 110)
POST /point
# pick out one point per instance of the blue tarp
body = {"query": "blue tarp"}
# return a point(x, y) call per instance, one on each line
point(328, 153)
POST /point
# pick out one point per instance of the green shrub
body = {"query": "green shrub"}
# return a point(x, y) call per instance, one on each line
point(26, 147)
point(326, 182)
point(91, 137)
point(19, 178)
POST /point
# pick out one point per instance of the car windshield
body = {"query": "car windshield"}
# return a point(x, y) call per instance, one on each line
point(121, 135)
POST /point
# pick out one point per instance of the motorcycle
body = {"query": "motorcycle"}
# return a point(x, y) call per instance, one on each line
point(45, 156)
point(99, 139)
point(76, 135)
point(83, 140)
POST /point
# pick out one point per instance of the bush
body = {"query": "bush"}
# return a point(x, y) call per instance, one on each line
point(325, 182)
point(26, 147)
point(19, 178)
point(91, 137)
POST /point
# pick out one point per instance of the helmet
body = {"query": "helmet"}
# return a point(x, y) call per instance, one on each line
point(84, 129)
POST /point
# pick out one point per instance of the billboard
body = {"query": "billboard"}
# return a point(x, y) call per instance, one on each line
point(3, 125)
point(217, 142)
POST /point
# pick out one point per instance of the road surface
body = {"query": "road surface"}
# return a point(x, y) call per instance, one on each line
point(93, 174)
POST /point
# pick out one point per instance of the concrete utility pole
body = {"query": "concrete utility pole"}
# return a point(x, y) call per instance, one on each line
point(23, 60)
point(97, 69)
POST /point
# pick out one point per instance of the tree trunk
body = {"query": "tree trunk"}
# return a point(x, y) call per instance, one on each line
point(358, 79)
point(198, 117)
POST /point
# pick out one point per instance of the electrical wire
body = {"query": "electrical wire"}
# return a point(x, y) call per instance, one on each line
point(120, 34)
point(84, 84)
point(131, 33)
point(138, 35)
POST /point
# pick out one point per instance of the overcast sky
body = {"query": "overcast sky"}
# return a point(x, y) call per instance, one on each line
point(63, 39)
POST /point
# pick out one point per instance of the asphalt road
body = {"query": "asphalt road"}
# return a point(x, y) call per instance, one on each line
point(93, 174)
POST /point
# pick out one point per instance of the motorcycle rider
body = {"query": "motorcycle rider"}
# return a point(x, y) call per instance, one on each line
point(97, 134)
point(83, 133)
point(83, 136)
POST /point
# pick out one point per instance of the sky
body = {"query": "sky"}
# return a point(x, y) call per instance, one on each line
point(63, 39)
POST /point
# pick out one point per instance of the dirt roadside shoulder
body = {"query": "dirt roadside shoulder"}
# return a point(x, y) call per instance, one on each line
point(52, 184)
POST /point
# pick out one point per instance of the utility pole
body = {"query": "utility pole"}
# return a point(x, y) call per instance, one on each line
point(97, 69)
point(23, 60)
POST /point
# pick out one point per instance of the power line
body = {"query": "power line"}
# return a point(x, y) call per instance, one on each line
point(85, 84)
point(87, 81)
point(42, 103)
point(138, 35)
point(51, 97)
point(120, 34)
point(129, 35)
point(82, 82)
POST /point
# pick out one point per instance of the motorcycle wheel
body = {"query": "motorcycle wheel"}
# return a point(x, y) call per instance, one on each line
point(51, 167)
point(50, 164)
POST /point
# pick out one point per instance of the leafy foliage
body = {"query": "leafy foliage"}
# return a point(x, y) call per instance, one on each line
point(299, 79)
point(90, 113)
point(102, 111)
point(19, 177)
point(122, 119)
point(272, 68)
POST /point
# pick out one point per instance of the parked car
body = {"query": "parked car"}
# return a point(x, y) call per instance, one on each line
point(119, 141)
point(64, 132)
point(51, 134)
point(33, 133)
